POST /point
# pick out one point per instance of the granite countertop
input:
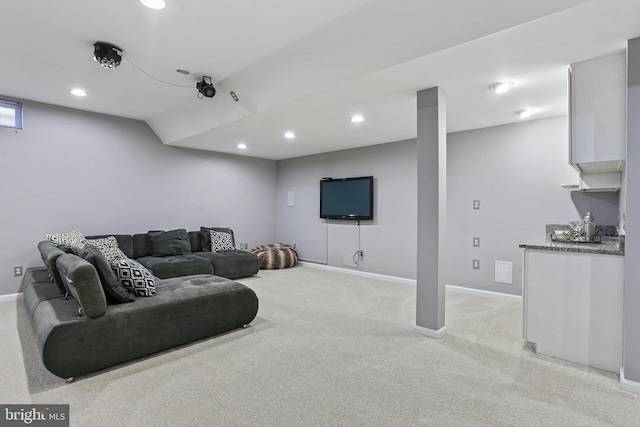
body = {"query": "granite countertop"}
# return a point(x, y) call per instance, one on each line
point(608, 246)
point(611, 244)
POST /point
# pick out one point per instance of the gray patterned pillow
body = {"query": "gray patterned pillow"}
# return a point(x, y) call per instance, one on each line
point(73, 239)
point(108, 246)
point(113, 289)
point(221, 241)
point(134, 277)
point(205, 236)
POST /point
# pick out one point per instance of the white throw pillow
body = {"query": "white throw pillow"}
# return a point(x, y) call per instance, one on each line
point(108, 246)
point(74, 238)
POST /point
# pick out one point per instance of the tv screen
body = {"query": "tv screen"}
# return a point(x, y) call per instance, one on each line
point(347, 198)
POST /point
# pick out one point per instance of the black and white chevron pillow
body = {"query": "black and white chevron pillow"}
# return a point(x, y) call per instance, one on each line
point(221, 241)
point(134, 277)
point(75, 239)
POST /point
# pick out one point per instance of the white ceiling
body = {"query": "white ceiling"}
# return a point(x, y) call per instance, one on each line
point(306, 65)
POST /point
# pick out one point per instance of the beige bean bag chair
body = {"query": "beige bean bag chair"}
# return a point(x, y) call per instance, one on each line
point(275, 256)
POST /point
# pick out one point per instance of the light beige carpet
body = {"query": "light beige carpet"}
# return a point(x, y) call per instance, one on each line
point(331, 349)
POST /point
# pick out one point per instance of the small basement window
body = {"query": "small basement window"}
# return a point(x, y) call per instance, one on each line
point(10, 114)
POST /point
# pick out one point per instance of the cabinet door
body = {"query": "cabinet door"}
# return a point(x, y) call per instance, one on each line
point(598, 110)
point(574, 306)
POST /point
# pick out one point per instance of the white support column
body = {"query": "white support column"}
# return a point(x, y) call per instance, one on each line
point(432, 202)
point(630, 372)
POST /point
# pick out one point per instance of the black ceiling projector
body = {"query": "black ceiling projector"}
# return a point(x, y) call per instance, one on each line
point(206, 89)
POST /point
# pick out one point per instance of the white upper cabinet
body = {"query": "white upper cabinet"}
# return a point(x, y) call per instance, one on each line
point(597, 114)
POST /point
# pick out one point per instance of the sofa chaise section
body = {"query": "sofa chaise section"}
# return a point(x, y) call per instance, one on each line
point(185, 309)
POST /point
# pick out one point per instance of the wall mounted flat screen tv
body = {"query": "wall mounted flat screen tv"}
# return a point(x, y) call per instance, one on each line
point(346, 198)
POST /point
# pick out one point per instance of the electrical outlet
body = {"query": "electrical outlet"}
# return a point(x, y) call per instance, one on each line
point(476, 204)
point(361, 254)
point(476, 264)
point(476, 242)
point(244, 246)
point(17, 271)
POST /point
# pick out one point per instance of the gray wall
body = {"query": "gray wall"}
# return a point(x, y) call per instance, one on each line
point(388, 242)
point(516, 171)
point(72, 169)
point(631, 358)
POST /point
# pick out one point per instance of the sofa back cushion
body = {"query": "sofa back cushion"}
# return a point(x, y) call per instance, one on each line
point(141, 246)
point(83, 283)
point(167, 243)
point(196, 245)
point(49, 253)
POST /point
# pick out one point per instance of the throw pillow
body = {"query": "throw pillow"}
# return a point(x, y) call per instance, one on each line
point(73, 239)
point(112, 287)
point(167, 243)
point(108, 246)
point(134, 277)
point(221, 241)
point(205, 236)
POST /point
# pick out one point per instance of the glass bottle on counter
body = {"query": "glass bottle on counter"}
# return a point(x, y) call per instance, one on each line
point(589, 224)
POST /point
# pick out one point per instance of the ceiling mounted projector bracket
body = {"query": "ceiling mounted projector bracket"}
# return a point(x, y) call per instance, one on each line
point(107, 55)
point(205, 89)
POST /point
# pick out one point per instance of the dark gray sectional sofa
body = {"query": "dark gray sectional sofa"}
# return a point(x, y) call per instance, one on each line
point(80, 329)
point(231, 264)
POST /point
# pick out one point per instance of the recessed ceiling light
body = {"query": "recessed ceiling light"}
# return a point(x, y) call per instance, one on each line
point(357, 118)
point(501, 87)
point(242, 146)
point(78, 92)
point(289, 135)
point(154, 4)
point(523, 114)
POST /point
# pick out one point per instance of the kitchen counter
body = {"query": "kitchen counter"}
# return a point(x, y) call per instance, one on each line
point(608, 246)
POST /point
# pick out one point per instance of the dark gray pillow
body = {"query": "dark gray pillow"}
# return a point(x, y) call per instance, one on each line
point(205, 236)
point(167, 243)
point(112, 287)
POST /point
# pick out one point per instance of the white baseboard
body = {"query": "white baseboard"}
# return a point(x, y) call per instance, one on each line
point(431, 333)
point(453, 288)
point(360, 273)
point(11, 297)
point(628, 385)
point(483, 293)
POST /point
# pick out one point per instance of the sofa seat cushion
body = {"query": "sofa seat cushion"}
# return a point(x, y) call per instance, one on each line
point(169, 291)
point(232, 264)
point(176, 265)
